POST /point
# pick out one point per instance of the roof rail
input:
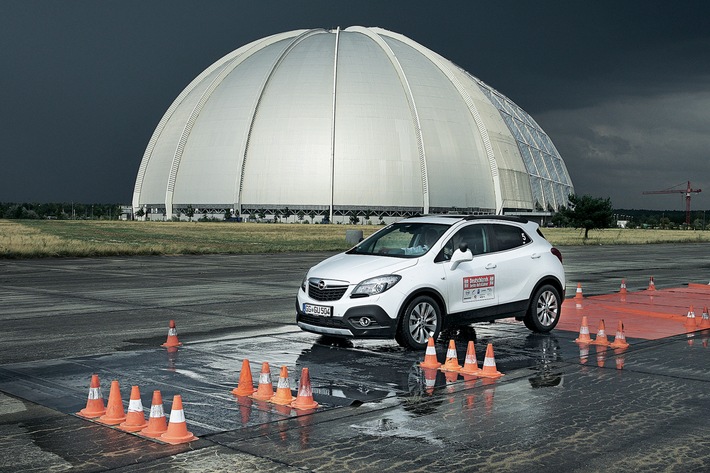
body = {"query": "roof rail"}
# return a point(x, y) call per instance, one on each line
point(505, 218)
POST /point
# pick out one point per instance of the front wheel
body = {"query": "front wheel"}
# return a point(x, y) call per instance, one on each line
point(544, 310)
point(420, 321)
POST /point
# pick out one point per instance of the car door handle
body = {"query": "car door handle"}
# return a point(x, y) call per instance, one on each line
point(535, 255)
point(491, 265)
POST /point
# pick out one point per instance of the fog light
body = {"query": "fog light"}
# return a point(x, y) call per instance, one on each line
point(364, 321)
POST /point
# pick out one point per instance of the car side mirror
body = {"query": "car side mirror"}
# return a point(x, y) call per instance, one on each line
point(460, 256)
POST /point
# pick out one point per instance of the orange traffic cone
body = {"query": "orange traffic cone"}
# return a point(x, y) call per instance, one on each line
point(157, 423)
point(172, 340)
point(246, 383)
point(620, 338)
point(601, 335)
point(135, 418)
point(452, 360)
point(705, 320)
point(304, 400)
point(584, 332)
point(114, 408)
point(95, 403)
point(622, 288)
point(651, 285)
point(579, 294)
point(283, 394)
point(430, 360)
point(690, 318)
point(177, 427)
point(470, 365)
point(489, 364)
point(266, 388)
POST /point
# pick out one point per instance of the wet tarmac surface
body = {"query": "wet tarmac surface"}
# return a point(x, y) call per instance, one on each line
point(559, 406)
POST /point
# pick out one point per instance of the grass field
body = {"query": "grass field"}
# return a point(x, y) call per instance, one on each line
point(46, 238)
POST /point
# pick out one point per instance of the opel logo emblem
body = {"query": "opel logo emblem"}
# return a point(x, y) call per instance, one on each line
point(321, 284)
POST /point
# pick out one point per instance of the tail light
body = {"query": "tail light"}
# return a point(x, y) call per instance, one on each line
point(557, 253)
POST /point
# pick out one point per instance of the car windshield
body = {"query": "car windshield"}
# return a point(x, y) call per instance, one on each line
point(401, 240)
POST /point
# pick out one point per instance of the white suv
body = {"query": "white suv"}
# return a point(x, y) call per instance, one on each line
point(419, 275)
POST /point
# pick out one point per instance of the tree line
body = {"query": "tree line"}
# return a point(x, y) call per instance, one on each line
point(60, 211)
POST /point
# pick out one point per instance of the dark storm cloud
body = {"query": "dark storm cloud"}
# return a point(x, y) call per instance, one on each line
point(620, 86)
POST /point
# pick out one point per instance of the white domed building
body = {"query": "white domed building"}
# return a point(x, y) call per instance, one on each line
point(341, 122)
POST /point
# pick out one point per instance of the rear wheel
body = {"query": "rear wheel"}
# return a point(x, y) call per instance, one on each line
point(420, 321)
point(544, 310)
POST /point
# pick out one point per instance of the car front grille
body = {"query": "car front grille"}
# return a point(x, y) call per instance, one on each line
point(329, 293)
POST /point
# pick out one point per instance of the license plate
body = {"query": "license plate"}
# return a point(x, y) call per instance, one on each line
point(321, 310)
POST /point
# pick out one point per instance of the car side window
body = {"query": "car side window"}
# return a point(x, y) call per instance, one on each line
point(509, 236)
point(475, 236)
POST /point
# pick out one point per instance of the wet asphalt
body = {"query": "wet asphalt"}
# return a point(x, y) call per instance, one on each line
point(556, 408)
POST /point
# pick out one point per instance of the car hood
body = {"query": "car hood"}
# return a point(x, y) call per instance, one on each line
point(355, 268)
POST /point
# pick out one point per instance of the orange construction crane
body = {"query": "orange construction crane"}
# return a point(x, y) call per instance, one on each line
point(687, 191)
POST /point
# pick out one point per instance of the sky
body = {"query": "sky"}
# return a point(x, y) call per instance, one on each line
point(622, 87)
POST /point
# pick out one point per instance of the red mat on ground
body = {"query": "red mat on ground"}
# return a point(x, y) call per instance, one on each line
point(645, 314)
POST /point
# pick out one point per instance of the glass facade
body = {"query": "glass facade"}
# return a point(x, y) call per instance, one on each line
point(549, 181)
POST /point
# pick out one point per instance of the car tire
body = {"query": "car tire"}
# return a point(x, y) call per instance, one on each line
point(420, 320)
point(544, 309)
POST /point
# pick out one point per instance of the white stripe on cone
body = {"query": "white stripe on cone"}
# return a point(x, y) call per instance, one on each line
point(265, 378)
point(283, 383)
point(157, 411)
point(177, 416)
point(489, 362)
point(95, 393)
point(584, 330)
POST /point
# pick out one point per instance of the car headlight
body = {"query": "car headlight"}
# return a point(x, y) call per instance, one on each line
point(304, 283)
point(373, 286)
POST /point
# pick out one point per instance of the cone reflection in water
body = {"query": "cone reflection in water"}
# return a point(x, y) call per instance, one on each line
point(489, 364)
point(177, 426)
point(620, 358)
point(95, 403)
point(601, 355)
point(429, 379)
point(452, 361)
point(583, 353)
point(172, 340)
point(157, 423)
point(244, 404)
point(304, 400)
point(489, 394)
point(246, 383)
point(114, 408)
point(430, 360)
point(266, 388)
point(135, 418)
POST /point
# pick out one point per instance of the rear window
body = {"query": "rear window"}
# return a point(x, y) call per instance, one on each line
point(509, 236)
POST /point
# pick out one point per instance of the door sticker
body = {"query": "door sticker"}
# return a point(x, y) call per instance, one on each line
point(479, 288)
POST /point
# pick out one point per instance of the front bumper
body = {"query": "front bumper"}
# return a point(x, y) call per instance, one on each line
point(365, 321)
